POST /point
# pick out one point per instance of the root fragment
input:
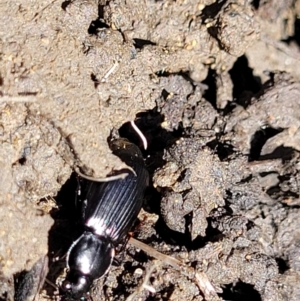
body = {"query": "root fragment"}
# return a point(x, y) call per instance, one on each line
point(200, 278)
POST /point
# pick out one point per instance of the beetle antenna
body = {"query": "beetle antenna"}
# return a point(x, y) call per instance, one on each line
point(138, 131)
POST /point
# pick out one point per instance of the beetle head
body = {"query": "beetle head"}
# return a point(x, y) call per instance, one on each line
point(76, 285)
point(89, 258)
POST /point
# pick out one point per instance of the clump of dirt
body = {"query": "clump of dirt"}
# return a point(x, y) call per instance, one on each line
point(191, 182)
point(35, 162)
point(213, 85)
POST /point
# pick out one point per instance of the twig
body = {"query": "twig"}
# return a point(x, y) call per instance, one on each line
point(109, 72)
point(144, 284)
point(43, 9)
point(280, 46)
point(21, 98)
point(51, 283)
point(200, 278)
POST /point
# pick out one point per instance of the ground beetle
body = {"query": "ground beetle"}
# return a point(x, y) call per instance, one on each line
point(109, 210)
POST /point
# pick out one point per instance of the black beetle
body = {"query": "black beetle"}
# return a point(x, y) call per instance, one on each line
point(109, 211)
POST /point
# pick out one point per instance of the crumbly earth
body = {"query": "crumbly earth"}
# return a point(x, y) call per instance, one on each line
point(215, 88)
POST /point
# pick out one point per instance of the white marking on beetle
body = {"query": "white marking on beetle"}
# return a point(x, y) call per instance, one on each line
point(85, 264)
point(99, 227)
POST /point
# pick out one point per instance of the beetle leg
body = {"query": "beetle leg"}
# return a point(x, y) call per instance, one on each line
point(79, 203)
point(116, 262)
point(78, 192)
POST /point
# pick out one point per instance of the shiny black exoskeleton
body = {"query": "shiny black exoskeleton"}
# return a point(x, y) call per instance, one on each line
point(109, 210)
